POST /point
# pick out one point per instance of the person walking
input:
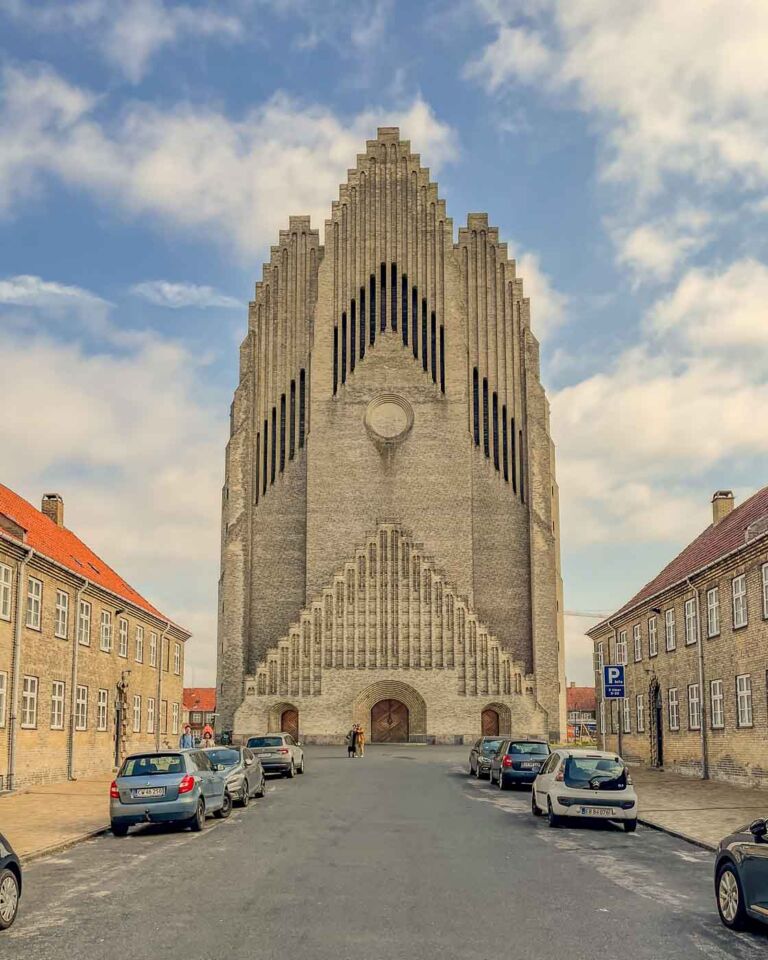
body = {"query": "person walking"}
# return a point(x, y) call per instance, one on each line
point(360, 741)
point(351, 745)
point(187, 739)
point(208, 740)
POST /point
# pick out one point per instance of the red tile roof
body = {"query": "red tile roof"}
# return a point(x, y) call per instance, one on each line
point(64, 548)
point(200, 698)
point(581, 698)
point(716, 541)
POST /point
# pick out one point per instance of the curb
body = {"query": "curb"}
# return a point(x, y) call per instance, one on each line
point(678, 834)
point(39, 854)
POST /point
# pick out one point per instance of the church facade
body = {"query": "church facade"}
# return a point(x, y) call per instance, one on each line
point(390, 529)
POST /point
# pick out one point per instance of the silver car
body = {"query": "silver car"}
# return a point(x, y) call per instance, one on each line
point(242, 771)
point(165, 787)
point(278, 753)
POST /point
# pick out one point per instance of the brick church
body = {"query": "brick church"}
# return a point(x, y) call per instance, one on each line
point(390, 529)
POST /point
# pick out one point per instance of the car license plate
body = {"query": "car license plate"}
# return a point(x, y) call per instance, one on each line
point(150, 792)
point(263, 753)
point(596, 811)
point(527, 765)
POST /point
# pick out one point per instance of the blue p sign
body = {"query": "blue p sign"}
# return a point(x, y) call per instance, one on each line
point(613, 682)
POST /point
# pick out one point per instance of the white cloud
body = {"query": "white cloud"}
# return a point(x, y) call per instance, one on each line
point(656, 250)
point(163, 293)
point(515, 53)
point(191, 167)
point(30, 297)
point(548, 305)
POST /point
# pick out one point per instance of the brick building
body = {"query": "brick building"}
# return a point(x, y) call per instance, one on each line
point(199, 708)
point(89, 669)
point(695, 644)
point(581, 706)
point(390, 530)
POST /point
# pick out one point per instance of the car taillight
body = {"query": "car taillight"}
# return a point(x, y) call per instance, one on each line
point(284, 750)
point(506, 761)
point(560, 776)
point(186, 784)
point(629, 780)
point(113, 791)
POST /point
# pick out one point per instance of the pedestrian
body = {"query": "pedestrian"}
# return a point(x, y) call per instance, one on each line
point(187, 739)
point(208, 740)
point(350, 738)
point(360, 741)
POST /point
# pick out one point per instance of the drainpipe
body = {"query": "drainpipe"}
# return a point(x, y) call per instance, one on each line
point(159, 704)
point(702, 697)
point(16, 672)
point(73, 685)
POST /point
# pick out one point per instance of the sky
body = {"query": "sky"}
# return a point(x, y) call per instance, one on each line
point(150, 151)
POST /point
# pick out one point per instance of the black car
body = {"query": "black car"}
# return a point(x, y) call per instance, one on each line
point(741, 876)
point(518, 762)
point(480, 755)
point(10, 884)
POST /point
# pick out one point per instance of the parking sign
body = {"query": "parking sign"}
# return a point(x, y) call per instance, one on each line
point(613, 682)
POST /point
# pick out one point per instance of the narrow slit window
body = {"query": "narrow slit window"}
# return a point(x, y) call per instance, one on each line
point(292, 424)
point(383, 306)
point(442, 357)
point(335, 359)
point(404, 318)
point(282, 433)
point(393, 273)
point(302, 407)
point(257, 468)
point(504, 442)
point(522, 467)
point(373, 310)
point(415, 322)
point(352, 335)
point(486, 438)
point(513, 451)
point(265, 458)
point(424, 334)
point(273, 465)
point(343, 348)
point(433, 347)
point(495, 414)
point(362, 322)
point(475, 409)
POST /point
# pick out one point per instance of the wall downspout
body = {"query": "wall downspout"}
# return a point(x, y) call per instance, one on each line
point(159, 705)
point(73, 685)
point(702, 697)
point(16, 671)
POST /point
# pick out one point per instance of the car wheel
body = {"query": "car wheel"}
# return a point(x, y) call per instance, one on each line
point(9, 898)
point(630, 825)
point(262, 788)
point(197, 822)
point(502, 785)
point(534, 806)
point(291, 771)
point(226, 808)
point(119, 829)
point(301, 768)
point(245, 796)
point(554, 820)
point(730, 898)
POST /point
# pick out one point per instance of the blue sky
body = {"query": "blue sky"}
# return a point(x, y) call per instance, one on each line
point(151, 150)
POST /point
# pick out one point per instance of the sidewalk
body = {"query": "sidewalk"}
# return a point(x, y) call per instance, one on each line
point(703, 811)
point(41, 820)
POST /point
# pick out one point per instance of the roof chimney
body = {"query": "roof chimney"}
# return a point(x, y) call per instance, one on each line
point(53, 508)
point(722, 504)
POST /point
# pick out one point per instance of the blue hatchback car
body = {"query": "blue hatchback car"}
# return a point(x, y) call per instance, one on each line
point(166, 787)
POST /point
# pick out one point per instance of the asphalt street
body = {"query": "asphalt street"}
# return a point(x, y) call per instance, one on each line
point(396, 855)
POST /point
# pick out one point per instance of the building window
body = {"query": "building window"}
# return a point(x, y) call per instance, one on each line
point(84, 623)
point(716, 702)
point(29, 702)
point(486, 433)
point(163, 716)
point(694, 707)
point(744, 700)
point(765, 590)
point(177, 659)
point(674, 709)
point(713, 611)
point(196, 717)
point(34, 603)
point(621, 648)
point(139, 644)
point(600, 658)
point(653, 638)
point(105, 634)
point(153, 649)
point(62, 614)
point(81, 708)
point(101, 710)
point(627, 715)
point(669, 628)
point(739, 589)
point(57, 704)
point(690, 621)
point(475, 408)
point(637, 641)
point(5, 591)
point(137, 714)
point(640, 713)
point(150, 714)
point(302, 394)
point(3, 696)
point(122, 648)
point(175, 718)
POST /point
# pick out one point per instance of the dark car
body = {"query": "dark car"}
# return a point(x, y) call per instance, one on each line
point(480, 755)
point(741, 876)
point(518, 762)
point(10, 884)
point(244, 773)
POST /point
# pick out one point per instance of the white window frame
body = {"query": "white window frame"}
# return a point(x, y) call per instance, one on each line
point(626, 715)
point(164, 717)
point(670, 639)
point(713, 611)
point(139, 644)
point(122, 637)
point(653, 637)
point(621, 648)
point(739, 601)
point(177, 659)
point(61, 629)
point(640, 710)
point(694, 706)
point(81, 707)
point(34, 603)
point(29, 688)
point(105, 631)
point(673, 702)
point(153, 648)
point(150, 714)
point(102, 709)
point(6, 591)
point(764, 570)
point(744, 716)
point(600, 657)
point(84, 623)
point(136, 713)
point(58, 694)
point(637, 641)
point(717, 704)
point(690, 622)
point(3, 696)
point(175, 718)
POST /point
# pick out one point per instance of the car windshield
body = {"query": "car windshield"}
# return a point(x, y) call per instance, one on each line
point(599, 773)
point(537, 749)
point(151, 765)
point(265, 742)
point(223, 758)
point(490, 746)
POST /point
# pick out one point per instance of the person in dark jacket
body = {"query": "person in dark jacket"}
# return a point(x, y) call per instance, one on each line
point(352, 741)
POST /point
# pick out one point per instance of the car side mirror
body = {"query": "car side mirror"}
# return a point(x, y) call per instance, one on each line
point(758, 829)
point(248, 761)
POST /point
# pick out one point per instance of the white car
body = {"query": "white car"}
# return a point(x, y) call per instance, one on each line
point(585, 784)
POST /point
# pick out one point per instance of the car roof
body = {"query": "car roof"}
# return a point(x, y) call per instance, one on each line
point(155, 753)
point(580, 752)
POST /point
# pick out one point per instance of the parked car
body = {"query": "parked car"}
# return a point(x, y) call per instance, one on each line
point(480, 755)
point(741, 876)
point(585, 783)
point(243, 772)
point(163, 787)
point(518, 762)
point(278, 753)
point(10, 884)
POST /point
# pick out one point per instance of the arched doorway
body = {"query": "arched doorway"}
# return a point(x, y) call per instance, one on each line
point(289, 722)
point(389, 722)
point(656, 717)
point(489, 722)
